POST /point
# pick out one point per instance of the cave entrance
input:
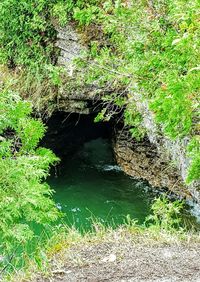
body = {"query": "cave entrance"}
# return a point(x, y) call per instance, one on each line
point(88, 182)
point(67, 132)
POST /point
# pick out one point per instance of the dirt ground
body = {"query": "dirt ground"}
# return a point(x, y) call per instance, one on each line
point(124, 261)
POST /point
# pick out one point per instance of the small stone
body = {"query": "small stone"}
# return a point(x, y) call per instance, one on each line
point(110, 258)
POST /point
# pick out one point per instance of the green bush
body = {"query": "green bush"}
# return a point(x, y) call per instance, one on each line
point(25, 197)
point(27, 34)
point(194, 154)
point(166, 215)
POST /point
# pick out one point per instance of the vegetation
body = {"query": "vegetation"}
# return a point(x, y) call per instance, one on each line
point(194, 153)
point(25, 198)
point(27, 35)
point(165, 215)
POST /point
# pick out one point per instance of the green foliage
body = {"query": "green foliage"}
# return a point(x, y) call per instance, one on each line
point(27, 45)
point(26, 32)
point(100, 116)
point(86, 15)
point(30, 131)
point(194, 154)
point(25, 198)
point(61, 10)
point(134, 119)
point(12, 109)
point(112, 105)
point(173, 109)
point(166, 215)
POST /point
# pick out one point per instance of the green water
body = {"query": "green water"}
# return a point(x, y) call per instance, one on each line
point(89, 185)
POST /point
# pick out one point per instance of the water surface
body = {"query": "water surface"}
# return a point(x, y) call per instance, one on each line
point(89, 185)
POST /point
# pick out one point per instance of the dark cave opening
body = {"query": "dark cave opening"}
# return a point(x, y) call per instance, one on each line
point(66, 132)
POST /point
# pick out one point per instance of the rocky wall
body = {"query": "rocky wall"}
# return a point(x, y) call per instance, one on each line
point(173, 151)
point(142, 160)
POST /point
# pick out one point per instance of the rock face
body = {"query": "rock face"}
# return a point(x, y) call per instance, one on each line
point(150, 159)
point(71, 48)
point(142, 160)
point(169, 150)
point(75, 97)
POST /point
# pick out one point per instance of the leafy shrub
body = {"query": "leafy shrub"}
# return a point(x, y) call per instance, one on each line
point(28, 34)
point(25, 198)
point(165, 214)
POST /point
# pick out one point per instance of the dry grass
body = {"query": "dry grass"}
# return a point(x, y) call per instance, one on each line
point(108, 254)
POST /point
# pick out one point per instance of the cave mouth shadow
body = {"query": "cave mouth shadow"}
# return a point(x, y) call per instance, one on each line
point(66, 132)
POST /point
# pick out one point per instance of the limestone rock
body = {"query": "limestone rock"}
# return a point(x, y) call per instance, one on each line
point(143, 161)
point(70, 46)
